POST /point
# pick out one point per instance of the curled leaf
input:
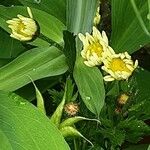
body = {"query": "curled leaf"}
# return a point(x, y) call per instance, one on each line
point(71, 121)
point(70, 131)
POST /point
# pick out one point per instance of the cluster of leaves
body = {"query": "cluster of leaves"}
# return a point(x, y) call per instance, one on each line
point(23, 126)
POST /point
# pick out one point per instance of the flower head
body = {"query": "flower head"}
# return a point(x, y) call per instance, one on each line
point(71, 108)
point(23, 28)
point(119, 66)
point(95, 47)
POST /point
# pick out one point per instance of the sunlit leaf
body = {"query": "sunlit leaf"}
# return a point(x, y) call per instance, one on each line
point(127, 33)
point(24, 127)
point(36, 63)
point(54, 7)
point(80, 15)
point(90, 85)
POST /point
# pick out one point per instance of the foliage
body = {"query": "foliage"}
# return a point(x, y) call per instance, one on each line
point(50, 99)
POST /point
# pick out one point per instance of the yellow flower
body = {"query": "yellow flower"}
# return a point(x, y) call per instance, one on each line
point(23, 28)
point(95, 47)
point(119, 66)
point(97, 17)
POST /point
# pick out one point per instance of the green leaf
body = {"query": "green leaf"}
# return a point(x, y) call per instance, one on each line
point(10, 2)
point(70, 131)
point(143, 79)
point(80, 15)
point(49, 25)
point(70, 49)
point(36, 63)
point(53, 7)
point(138, 111)
point(138, 147)
point(70, 96)
point(5, 142)
point(90, 85)
point(71, 121)
point(40, 100)
point(56, 117)
point(127, 33)
point(4, 61)
point(9, 48)
point(115, 136)
point(27, 128)
point(135, 129)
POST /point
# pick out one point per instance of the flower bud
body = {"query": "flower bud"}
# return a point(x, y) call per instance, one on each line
point(97, 17)
point(23, 28)
point(123, 98)
point(71, 108)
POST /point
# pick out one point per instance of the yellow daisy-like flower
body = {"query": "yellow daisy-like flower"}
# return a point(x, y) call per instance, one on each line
point(95, 47)
point(23, 28)
point(119, 66)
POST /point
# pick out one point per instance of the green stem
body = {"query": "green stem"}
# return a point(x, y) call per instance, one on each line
point(75, 144)
point(50, 41)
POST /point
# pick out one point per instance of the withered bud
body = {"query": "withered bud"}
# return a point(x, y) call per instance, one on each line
point(71, 108)
point(123, 98)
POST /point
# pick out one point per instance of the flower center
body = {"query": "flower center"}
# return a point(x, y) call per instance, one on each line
point(21, 26)
point(96, 48)
point(118, 64)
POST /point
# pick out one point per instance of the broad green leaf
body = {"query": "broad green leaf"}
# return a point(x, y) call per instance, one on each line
point(6, 144)
point(143, 79)
point(25, 127)
point(36, 63)
point(127, 33)
point(9, 47)
point(49, 25)
point(80, 15)
point(90, 85)
point(56, 8)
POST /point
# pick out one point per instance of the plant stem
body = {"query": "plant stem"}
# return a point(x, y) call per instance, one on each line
point(75, 144)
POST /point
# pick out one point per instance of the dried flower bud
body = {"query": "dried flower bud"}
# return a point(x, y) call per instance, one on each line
point(71, 108)
point(123, 98)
